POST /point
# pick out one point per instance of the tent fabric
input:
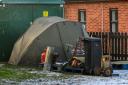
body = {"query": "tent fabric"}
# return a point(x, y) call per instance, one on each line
point(45, 31)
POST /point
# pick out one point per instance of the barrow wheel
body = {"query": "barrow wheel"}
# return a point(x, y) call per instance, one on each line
point(107, 72)
point(97, 71)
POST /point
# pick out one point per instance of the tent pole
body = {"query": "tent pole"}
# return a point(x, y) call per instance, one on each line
point(61, 40)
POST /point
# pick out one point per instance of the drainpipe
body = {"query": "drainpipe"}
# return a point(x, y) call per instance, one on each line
point(102, 30)
point(102, 26)
point(62, 6)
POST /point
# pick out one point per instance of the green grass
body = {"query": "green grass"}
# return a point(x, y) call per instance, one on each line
point(19, 73)
point(15, 73)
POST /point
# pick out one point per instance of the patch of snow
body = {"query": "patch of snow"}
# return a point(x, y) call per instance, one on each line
point(7, 82)
point(122, 79)
point(48, 73)
point(54, 74)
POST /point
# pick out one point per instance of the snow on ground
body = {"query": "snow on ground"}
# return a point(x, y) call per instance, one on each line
point(122, 79)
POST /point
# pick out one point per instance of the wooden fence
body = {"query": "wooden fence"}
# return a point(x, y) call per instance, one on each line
point(115, 44)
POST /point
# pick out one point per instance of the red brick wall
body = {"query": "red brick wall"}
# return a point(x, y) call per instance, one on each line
point(94, 15)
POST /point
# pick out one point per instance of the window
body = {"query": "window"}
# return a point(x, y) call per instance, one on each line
point(82, 17)
point(114, 20)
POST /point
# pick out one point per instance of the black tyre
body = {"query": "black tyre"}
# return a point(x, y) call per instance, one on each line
point(97, 71)
point(107, 72)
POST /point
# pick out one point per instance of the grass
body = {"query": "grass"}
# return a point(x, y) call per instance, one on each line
point(15, 73)
point(19, 73)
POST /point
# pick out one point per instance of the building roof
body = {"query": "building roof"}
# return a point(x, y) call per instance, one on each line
point(32, 1)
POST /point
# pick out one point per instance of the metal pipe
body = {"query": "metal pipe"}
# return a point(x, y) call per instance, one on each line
point(102, 26)
point(62, 5)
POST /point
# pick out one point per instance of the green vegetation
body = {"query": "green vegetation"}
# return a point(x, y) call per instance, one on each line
point(18, 73)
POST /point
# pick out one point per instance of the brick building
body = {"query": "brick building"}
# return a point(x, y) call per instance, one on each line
point(99, 15)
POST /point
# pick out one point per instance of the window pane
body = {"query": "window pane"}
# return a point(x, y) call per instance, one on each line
point(82, 16)
point(114, 20)
point(113, 27)
point(113, 15)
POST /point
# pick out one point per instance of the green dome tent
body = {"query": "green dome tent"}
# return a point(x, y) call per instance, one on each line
point(45, 31)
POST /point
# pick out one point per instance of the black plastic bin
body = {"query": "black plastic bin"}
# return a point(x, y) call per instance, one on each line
point(93, 53)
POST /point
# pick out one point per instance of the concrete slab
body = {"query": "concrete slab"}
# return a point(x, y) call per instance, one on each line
point(119, 62)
